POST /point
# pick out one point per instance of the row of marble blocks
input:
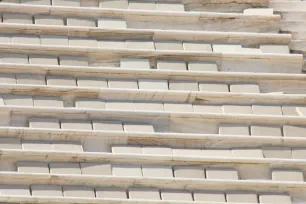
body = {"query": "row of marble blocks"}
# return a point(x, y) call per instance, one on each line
point(139, 44)
point(144, 193)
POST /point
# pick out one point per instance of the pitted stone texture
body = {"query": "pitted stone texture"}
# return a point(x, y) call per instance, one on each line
point(49, 20)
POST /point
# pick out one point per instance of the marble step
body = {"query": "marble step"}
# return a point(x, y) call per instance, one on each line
point(118, 18)
point(227, 61)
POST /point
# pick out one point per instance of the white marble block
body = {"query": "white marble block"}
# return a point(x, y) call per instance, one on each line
point(244, 88)
point(189, 172)
point(17, 18)
point(294, 131)
point(171, 65)
point(167, 6)
point(247, 152)
point(52, 123)
point(120, 105)
point(277, 152)
point(226, 48)
point(82, 42)
point(10, 143)
point(32, 167)
point(78, 191)
point(14, 58)
point(61, 81)
point(258, 11)
point(7, 78)
point(267, 198)
point(116, 4)
point(64, 168)
point(33, 79)
point(89, 103)
point(149, 106)
point(144, 193)
point(279, 49)
point(92, 82)
point(261, 130)
point(37, 145)
point(126, 170)
point(43, 59)
point(117, 44)
point(168, 45)
point(112, 23)
point(67, 146)
point(267, 110)
point(221, 173)
point(299, 153)
point(14, 190)
point(140, 44)
point(89, 3)
point(129, 127)
point(74, 60)
point(107, 125)
point(26, 39)
point(180, 85)
point(49, 20)
point(115, 193)
point(127, 149)
point(66, 3)
point(237, 109)
point(217, 152)
point(202, 66)
point(76, 124)
point(156, 150)
point(46, 190)
point(122, 84)
point(209, 196)
point(287, 175)
point(178, 107)
point(153, 84)
point(197, 46)
point(96, 168)
point(241, 197)
point(81, 22)
point(157, 171)
point(177, 195)
point(17, 100)
point(134, 63)
point(48, 101)
point(212, 109)
point(136, 5)
point(233, 129)
point(54, 40)
point(214, 87)
point(186, 152)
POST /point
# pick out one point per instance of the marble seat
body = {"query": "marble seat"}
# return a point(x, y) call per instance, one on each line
point(134, 63)
point(17, 18)
point(82, 42)
point(26, 39)
point(222, 173)
point(32, 167)
point(76, 124)
point(261, 130)
point(117, 4)
point(180, 85)
point(244, 88)
point(43, 59)
point(216, 152)
point(209, 196)
point(171, 65)
point(186, 152)
point(14, 58)
point(127, 149)
point(56, 40)
point(111, 193)
point(120, 105)
point(144, 193)
point(214, 87)
point(90, 103)
point(14, 190)
point(202, 66)
point(298, 153)
point(237, 109)
point(44, 123)
point(81, 22)
point(241, 197)
point(177, 195)
point(197, 46)
point(46, 190)
point(67, 146)
point(96, 168)
point(36, 145)
point(122, 84)
point(208, 109)
point(107, 125)
point(280, 49)
point(126, 170)
point(61, 81)
point(48, 101)
point(287, 175)
point(267, 110)
point(267, 198)
point(277, 152)
point(49, 20)
point(64, 168)
point(10, 143)
point(16, 100)
point(294, 131)
point(233, 129)
point(140, 44)
point(73, 60)
point(178, 107)
point(153, 84)
point(78, 191)
point(168, 45)
point(289, 110)
point(157, 171)
point(156, 150)
point(92, 82)
point(130, 127)
point(119, 44)
point(36, 79)
point(189, 172)
point(247, 152)
point(112, 23)
point(226, 48)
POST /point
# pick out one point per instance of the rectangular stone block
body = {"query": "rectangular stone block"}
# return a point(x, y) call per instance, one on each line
point(120, 105)
point(287, 175)
point(241, 197)
point(10, 143)
point(202, 66)
point(221, 173)
point(168, 45)
point(126, 170)
point(294, 131)
point(233, 129)
point(157, 171)
point(67, 146)
point(112, 23)
point(43, 59)
point(186, 152)
point(289, 110)
point(140, 44)
point(149, 106)
point(277, 152)
point(216, 153)
point(122, 84)
point(81, 22)
point(78, 191)
point(31, 79)
point(115, 193)
point(244, 88)
point(26, 39)
point(134, 63)
point(64, 168)
point(36, 2)
point(116, 4)
point(156, 150)
point(197, 46)
point(144, 193)
point(61, 81)
point(66, 3)
point(208, 109)
point(209, 196)
point(92, 82)
point(37, 145)
point(189, 172)
point(14, 190)
point(127, 149)
point(44, 123)
point(180, 85)
point(178, 107)
point(17, 100)
point(280, 49)
point(153, 84)
point(54, 40)
point(49, 20)
point(165, 6)
point(237, 109)
point(14, 58)
point(267, 198)
point(298, 153)
point(74, 60)
point(32, 167)
point(226, 48)
point(96, 168)
point(17, 18)
point(7, 78)
point(118, 44)
point(178, 195)
point(89, 103)
point(171, 65)
point(5, 38)
point(82, 42)
point(76, 124)
point(261, 130)
point(214, 87)
point(248, 152)
point(89, 3)
point(107, 125)
point(48, 101)
point(128, 127)
point(267, 110)
point(258, 11)
point(142, 5)
point(46, 190)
